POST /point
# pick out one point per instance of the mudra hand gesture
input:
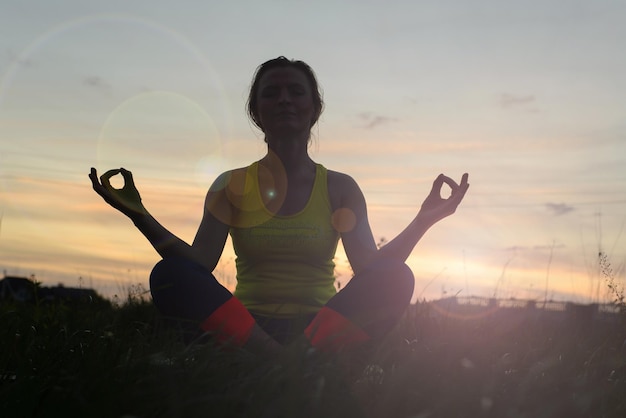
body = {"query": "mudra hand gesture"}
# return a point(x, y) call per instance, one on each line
point(127, 199)
point(435, 208)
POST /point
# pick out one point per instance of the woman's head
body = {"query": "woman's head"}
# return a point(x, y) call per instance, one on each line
point(283, 63)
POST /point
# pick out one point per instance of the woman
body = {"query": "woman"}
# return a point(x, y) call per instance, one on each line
point(285, 214)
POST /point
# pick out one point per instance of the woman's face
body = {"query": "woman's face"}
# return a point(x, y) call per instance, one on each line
point(285, 102)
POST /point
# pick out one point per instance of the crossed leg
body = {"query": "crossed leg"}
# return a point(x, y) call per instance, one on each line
point(367, 308)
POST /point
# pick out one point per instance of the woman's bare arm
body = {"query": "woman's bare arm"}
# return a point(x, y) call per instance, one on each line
point(210, 238)
point(358, 241)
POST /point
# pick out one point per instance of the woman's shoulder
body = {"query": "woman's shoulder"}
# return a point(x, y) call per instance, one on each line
point(227, 177)
point(227, 186)
point(340, 180)
point(341, 188)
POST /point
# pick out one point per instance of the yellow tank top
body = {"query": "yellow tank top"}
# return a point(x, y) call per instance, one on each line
point(285, 264)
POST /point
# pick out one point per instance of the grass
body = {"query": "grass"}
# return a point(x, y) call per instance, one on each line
point(103, 360)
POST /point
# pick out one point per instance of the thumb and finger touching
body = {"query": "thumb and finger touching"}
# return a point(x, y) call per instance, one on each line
point(446, 206)
point(126, 199)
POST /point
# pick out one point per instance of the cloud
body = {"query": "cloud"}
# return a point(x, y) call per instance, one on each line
point(558, 209)
point(508, 100)
point(372, 121)
point(96, 82)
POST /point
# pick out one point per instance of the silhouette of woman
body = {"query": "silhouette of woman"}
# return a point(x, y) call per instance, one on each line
point(285, 214)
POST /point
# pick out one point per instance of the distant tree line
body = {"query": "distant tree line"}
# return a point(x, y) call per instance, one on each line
point(28, 290)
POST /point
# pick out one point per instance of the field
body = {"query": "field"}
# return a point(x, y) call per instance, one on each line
point(121, 360)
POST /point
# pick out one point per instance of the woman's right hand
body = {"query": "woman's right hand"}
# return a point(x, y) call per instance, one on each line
point(127, 199)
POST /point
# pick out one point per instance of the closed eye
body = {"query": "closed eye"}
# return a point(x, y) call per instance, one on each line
point(297, 89)
point(269, 92)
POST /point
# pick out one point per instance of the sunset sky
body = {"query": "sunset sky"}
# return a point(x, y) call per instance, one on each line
point(527, 97)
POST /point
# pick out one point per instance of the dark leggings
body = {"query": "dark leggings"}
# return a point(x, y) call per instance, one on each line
point(373, 301)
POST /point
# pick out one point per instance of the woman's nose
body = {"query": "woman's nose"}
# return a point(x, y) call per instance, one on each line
point(284, 96)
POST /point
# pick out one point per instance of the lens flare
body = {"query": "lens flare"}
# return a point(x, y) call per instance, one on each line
point(64, 36)
point(343, 220)
point(248, 196)
point(159, 128)
point(62, 87)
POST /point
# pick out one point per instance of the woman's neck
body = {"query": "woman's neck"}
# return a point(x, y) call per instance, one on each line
point(292, 155)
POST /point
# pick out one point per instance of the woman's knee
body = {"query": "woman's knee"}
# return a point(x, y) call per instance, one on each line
point(175, 269)
point(182, 288)
point(394, 275)
point(382, 283)
point(406, 279)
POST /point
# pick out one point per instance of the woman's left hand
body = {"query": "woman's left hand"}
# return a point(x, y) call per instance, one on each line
point(435, 208)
